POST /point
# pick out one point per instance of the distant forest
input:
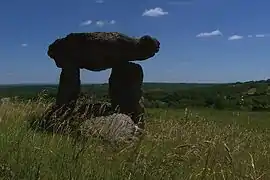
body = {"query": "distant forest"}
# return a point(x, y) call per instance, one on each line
point(252, 95)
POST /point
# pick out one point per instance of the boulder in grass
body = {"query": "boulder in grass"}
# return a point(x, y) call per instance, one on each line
point(115, 128)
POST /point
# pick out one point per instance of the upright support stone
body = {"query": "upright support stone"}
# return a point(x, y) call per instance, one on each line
point(69, 87)
point(125, 90)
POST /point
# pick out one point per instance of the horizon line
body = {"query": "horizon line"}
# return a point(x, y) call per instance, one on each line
point(149, 82)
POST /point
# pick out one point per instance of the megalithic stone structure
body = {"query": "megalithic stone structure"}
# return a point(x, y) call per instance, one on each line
point(98, 51)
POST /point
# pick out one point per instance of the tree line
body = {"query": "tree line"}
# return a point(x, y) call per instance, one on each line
point(252, 95)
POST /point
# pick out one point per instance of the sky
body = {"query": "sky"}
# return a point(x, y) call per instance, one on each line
point(201, 40)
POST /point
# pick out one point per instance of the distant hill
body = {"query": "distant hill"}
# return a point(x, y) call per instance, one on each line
point(32, 89)
point(252, 95)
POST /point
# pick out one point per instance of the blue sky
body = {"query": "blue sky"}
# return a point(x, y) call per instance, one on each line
point(201, 40)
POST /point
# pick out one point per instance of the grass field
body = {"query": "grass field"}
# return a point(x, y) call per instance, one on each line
point(179, 144)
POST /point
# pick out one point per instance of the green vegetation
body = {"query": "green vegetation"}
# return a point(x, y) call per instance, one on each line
point(187, 137)
point(251, 96)
point(180, 144)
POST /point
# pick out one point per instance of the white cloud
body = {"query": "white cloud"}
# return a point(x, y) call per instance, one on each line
point(235, 37)
point(262, 35)
point(24, 45)
point(100, 23)
point(112, 22)
point(154, 12)
point(99, 1)
point(259, 35)
point(86, 23)
point(208, 34)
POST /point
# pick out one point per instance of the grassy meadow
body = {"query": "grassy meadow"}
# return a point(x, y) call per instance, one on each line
point(179, 144)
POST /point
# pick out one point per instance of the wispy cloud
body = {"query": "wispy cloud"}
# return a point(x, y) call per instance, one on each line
point(100, 23)
point(86, 23)
point(24, 45)
point(155, 12)
point(259, 36)
point(235, 37)
point(99, 1)
point(112, 22)
point(262, 35)
point(209, 34)
point(231, 38)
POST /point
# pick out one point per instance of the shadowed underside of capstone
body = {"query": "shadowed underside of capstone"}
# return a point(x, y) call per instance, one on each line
point(97, 51)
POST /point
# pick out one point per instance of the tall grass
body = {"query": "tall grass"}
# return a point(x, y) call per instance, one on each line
point(183, 144)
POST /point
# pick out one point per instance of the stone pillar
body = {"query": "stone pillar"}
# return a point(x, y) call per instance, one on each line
point(125, 90)
point(68, 92)
point(69, 87)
